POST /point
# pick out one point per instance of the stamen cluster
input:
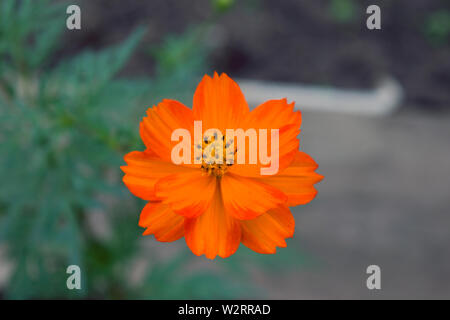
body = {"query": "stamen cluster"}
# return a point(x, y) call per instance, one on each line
point(218, 154)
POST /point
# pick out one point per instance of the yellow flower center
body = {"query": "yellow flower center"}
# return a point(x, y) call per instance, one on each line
point(218, 154)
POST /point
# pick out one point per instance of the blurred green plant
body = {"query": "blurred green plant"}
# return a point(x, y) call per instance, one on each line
point(61, 135)
point(343, 11)
point(437, 27)
point(222, 5)
point(181, 60)
point(64, 128)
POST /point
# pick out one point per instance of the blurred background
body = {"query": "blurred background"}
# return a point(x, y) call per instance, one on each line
point(71, 100)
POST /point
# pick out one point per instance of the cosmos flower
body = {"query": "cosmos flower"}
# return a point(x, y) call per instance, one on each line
point(217, 206)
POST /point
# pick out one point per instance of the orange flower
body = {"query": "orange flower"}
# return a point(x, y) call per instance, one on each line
point(218, 206)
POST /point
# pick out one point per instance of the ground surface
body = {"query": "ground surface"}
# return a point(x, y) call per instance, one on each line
point(384, 200)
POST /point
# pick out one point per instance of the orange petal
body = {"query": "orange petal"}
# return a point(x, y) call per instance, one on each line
point(297, 181)
point(269, 231)
point(162, 222)
point(219, 103)
point(188, 194)
point(214, 233)
point(156, 129)
point(273, 114)
point(143, 170)
point(246, 198)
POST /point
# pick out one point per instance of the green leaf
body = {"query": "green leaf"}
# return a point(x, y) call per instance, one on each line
point(90, 70)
